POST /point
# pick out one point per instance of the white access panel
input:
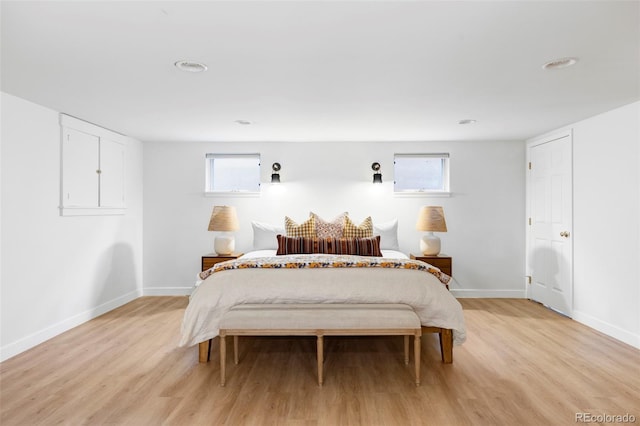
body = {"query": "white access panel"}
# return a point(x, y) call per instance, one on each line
point(111, 173)
point(79, 169)
point(92, 169)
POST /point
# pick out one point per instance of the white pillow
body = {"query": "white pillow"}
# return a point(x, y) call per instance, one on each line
point(264, 235)
point(388, 232)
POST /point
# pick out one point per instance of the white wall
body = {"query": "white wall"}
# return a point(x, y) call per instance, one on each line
point(607, 223)
point(58, 272)
point(484, 214)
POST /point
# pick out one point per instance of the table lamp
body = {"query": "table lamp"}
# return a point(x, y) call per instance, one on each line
point(431, 219)
point(224, 219)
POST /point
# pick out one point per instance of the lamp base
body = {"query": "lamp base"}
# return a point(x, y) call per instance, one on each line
point(430, 244)
point(224, 244)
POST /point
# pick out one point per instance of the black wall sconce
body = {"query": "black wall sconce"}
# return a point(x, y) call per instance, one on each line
point(377, 176)
point(275, 175)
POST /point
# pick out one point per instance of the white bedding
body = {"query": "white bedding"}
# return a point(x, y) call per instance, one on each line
point(222, 290)
point(391, 254)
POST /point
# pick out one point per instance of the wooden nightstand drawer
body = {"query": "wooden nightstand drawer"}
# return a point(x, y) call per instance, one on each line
point(441, 261)
point(211, 259)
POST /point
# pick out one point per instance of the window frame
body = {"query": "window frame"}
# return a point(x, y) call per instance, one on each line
point(211, 192)
point(446, 171)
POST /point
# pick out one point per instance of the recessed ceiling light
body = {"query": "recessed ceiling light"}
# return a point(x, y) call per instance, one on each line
point(190, 66)
point(467, 121)
point(244, 122)
point(560, 63)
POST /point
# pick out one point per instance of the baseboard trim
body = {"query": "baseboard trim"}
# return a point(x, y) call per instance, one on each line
point(466, 293)
point(609, 329)
point(14, 348)
point(167, 291)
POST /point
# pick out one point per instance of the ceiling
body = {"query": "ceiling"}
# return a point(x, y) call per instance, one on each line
point(323, 70)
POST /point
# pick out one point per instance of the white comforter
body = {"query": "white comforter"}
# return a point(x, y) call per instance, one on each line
point(222, 290)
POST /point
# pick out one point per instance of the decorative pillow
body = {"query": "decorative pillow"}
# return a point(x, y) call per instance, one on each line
point(264, 235)
point(331, 229)
point(388, 232)
point(352, 246)
point(364, 230)
point(359, 246)
point(306, 229)
point(299, 245)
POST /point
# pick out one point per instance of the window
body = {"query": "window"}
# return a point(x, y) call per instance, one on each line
point(421, 173)
point(236, 173)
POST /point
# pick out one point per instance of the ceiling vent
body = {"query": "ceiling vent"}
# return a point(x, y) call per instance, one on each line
point(560, 63)
point(467, 121)
point(189, 66)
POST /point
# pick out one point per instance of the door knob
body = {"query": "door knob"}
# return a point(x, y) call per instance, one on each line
point(565, 234)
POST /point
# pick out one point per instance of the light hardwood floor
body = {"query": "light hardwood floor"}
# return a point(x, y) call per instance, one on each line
point(521, 365)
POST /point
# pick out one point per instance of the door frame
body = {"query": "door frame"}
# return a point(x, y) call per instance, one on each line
point(530, 143)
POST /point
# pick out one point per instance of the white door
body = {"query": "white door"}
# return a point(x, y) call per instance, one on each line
point(550, 251)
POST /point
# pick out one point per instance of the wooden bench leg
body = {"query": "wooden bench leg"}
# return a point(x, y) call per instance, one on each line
point(416, 356)
point(235, 350)
point(446, 345)
point(320, 356)
point(406, 350)
point(204, 351)
point(223, 358)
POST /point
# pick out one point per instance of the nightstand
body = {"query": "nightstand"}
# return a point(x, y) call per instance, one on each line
point(208, 260)
point(440, 261)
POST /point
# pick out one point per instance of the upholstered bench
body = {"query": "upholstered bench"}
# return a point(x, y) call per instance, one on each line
point(320, 320)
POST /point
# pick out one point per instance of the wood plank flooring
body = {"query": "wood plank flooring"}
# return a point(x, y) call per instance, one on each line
point(521, 365)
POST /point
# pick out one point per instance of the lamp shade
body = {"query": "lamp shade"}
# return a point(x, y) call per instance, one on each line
point(223, 218)
point(431, 218)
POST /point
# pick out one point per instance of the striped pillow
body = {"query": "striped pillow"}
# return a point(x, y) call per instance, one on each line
point(364, 230)
point(299, 245)
point(359, 246)
point(306, 229)
point(348, 246)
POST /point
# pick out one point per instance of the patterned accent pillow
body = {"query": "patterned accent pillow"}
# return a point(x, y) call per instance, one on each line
point(359, 246)
point(364, 230)
point(299, 245)
point(306, 229)
point(333, 229)
point(351, 246)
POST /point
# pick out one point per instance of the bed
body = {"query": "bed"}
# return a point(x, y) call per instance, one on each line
point(326, 262)
point(263, 277)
